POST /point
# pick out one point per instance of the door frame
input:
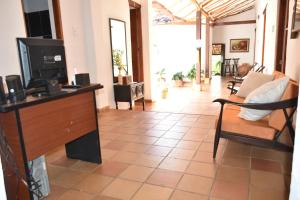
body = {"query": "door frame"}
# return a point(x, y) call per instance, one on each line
point(136, 41)
point(264, 36)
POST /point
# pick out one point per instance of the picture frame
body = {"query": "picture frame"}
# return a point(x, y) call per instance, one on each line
point(239, 45)
point(296, 20)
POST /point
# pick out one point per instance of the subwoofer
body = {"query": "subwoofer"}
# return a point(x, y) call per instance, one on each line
point(82, 79)
point(15, 89)
point(2, 93)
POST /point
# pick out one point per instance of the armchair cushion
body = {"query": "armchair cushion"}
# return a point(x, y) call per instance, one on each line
point(267, 93)
point(277, 119)
point(258, 129)
point(253, 81)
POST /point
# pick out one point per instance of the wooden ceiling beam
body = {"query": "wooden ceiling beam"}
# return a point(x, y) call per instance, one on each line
point(232, 7)
point(236, 9)
point(238, 12)
point(217, 8)
point(166, 11)
point(229, 5)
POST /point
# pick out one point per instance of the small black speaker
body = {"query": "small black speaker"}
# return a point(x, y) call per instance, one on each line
point(2, 93)
point(82, 79)
point(15, 88)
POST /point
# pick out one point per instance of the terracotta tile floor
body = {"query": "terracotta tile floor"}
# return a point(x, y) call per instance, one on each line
point(174, 163)
point(168, 155)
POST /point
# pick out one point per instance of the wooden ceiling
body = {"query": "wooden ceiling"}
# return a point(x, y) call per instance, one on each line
point(184, 11)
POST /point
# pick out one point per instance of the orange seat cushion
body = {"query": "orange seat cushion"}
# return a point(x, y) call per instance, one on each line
point(277, 118)
point(232, 123)
point(234, 98)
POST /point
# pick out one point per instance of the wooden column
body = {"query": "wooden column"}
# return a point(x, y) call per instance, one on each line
point(198, 38)
point(207, 48)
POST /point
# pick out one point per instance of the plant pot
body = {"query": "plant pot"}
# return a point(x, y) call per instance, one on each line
point(164, 93)
point(178, 83)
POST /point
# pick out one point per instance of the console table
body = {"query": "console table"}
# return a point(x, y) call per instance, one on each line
point(128, 93)
point(38, 125)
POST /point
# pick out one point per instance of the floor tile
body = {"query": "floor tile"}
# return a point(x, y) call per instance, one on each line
point(108, 154)
point(241, 162)
point(121, 189)
point(64, 162)
point(182, 154)
point(75, 195)
point(136, 173)
point(207, 157)
point(167, 142)
point(148, 160)
point(83, 166)
point(94, 183)
point(164, 178)
point(100, 197)
point(115, 145)
point(233, 174)
point(267, 180)
point(153, 192)
point(173, 135)
point(138, 148)
point(56, 192)
point(69, 178)
point(230, 190)
point(174, 164)
point(126, 157)
point(155, 132)
point(159, 150)
point(196, 184)
point(265, 165)
point(111, 168)
point(267, 194)
point(185, 144)
point(182, 195)
point(202, 169)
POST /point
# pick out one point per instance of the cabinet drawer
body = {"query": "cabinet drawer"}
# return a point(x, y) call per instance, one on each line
point(51, 124)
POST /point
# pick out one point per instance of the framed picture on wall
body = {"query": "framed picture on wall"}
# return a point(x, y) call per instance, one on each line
point(239, 45)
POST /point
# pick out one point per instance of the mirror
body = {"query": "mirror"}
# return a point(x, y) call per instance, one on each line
point(118, 48)
point(296, 19)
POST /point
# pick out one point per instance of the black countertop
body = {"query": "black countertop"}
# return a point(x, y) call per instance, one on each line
point(31, 100)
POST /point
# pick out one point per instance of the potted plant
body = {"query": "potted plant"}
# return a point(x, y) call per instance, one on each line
point(178, 78)
point(117, 59)
point(162, 83)
point(192, 74)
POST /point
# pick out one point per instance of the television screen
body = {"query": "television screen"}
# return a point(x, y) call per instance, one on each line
point(42, 59)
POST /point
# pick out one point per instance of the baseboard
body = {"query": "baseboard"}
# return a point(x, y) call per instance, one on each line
point(105, 108)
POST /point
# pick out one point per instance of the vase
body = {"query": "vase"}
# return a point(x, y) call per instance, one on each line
point(120, 79)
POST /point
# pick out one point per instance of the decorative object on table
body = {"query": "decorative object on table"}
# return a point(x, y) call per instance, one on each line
point(82, 79)
point(178, 78)
point(162, 83)
point(239, 45)
point(117, 59)
point(127, 80)
point(16, 91)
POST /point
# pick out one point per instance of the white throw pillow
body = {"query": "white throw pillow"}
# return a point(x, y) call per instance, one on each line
point(252, 81)
point(267, 93)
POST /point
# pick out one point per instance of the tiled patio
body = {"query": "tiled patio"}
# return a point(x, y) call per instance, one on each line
point(161, 155)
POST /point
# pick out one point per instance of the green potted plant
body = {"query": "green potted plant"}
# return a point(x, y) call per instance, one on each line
point(192, 74)
point(162, 83)
point(117, 60)
point(178, 78)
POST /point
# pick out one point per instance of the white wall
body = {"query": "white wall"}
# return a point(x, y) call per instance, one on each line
point(223, 34)
point(2, 187)
point(14, 27)
point(271, 32)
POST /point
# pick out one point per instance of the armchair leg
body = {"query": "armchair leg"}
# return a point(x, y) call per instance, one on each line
point(216, 143)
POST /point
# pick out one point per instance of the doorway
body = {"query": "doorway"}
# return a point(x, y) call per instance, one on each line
point(136, 41)
point(42, 18)
point(282, 35)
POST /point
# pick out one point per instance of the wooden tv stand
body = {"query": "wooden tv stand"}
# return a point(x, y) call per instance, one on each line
point(40, 124)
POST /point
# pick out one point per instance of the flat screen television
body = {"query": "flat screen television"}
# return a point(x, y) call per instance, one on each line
point(42, 60)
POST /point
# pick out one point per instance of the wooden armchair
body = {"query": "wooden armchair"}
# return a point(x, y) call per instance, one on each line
point(265, 132)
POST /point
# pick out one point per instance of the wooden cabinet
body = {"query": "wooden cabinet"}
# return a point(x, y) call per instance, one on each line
point(129, 93)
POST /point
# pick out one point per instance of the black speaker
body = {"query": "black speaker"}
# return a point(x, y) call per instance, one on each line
point(2, 92)
point(15, 88)
point(82, 79)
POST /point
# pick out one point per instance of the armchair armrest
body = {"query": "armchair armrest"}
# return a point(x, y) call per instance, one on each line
point(262, 106)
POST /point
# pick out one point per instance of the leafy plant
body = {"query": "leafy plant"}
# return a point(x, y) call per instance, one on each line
point(117, 58)
point(192, 73)
point(178, 76)
point(161, 74)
